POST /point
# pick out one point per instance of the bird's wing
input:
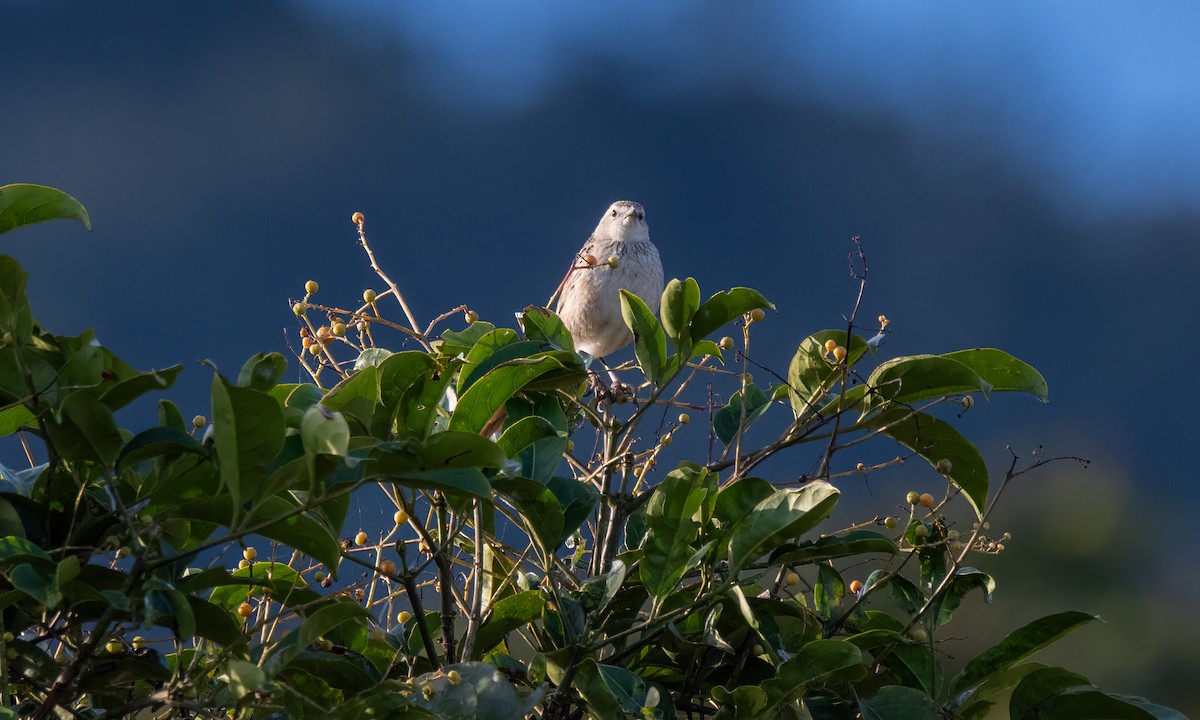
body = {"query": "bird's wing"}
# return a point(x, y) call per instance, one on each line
point(576, 264)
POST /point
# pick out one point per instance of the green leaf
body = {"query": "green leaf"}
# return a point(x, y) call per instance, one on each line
point(129, 384)
point(610, 691)
point(321, 621)
point(738, 499)
point(1003, 372)
point(964, 581)
point(247, 431)
point(24, 204)
point(452, 449)
point(489, 393)
point(245, 678)
point(649, 342)
point(577, 499)
point(725, 307)
point(812, 375)
point(18, 548)
point(496, 342)
point(15, 418)
point(86, 430)
point(906, 380)
point(262, 371)
point(896, 702)
point(537, 506)
point(855, 542)
point(508, 614)
point(673, 521)
point(284, 583)
point(455, 342)
point(680, 301)
point(779, 518)
point(1091, 703)
point(829, 590)
point(1040, 685)
point(1019, 644)
point(357, 395)
point(728, 422)
point(15, 316)
point(937, 440)
point(37, 584)
point(156, 442)
point(542, 325)
point(542, 456)
point(817, 662)
point(525, 433)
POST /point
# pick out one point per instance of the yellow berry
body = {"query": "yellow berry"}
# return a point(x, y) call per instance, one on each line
point(590, 259)
point(926, 500)
point(369, 296)
point(427, 692)
point(403, 616)
point(357, 218)
point(245, 609)
point(471, 316)
point(139, 643)
point(388, 567)
point(360, 539)
point(791, 579)
point(614, 262)
point(830, 345)
point(839, 353)
point(454, 677)
point(314, 349)
point(889, 522)
point(913, 497)
point(9, 637)
point(199, 421)
point(400, 517)
point(323, 332)
point(921, 531)
point(855, 586)
point(726, 343)
point(919, 634)
point(757, 315)
point(250, 554)
point(861, 468)
point(665, 440)
point(684, 419)
point(299, 309)
point(114, 646)
point(338, 329)
point(311, 287)
point(243, 564)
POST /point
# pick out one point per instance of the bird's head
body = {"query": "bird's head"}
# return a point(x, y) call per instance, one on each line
point(624, 220)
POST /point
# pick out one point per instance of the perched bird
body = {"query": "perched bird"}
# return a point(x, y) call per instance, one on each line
point(618, 256)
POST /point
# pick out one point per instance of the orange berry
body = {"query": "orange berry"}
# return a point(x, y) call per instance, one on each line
point(245, 609)
point(388, 567)
point(839, 353)
point(792, 579)
point(926, 500)
point(830, 345)
point(855, 586)
point(357, 218)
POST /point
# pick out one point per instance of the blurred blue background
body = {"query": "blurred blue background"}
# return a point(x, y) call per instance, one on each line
point(1023, 174)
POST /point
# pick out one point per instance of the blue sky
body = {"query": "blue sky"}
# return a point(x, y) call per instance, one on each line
point(1098, 100)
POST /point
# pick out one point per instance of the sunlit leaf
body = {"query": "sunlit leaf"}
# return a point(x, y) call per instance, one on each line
point(649, 342)
point(25, 204)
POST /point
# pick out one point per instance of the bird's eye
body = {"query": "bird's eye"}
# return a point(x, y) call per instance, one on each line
point(614, 213)
point(641, 216)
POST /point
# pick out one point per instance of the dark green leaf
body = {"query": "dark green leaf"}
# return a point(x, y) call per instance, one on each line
point(25, 204)
point(737, 500)
point(829, 590)
point(537, 506)
point(725, 307)
point(964, 581)
point(86, 430)
point(489, 393)
point(896, 702)
point(937, 440)
point(812, 375)
point(543, 325)
point(128, 384)
point(610, 691)
point(508, 614)
point(729, 422)
point(454, 342)
point(1003, 371)
point(490, 344)
point(908, 380)
point(855, 542)
point(577, 499)
point(649, 342)
point(262, 371)
point(247, 430)
point(780, 518)
point(672, 519)
point(1019, 644)
point(319, 622)
point(451, 449)
point(15, 418)
point(157, 442)
point(18, 548)
point(1038, 686)
point(357, 395)
point(818, 661)
point(37, 584)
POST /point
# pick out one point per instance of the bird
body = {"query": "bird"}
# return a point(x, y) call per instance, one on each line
point(618, 256)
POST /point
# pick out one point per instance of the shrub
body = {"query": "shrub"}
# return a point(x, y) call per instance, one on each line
point(559, 567)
